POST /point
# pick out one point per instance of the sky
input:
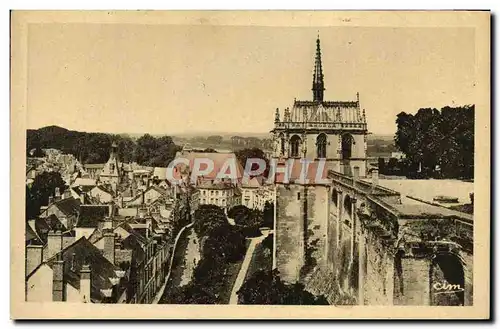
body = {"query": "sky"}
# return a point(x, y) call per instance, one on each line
point(174, 79)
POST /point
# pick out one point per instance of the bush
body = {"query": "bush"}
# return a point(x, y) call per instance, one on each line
point(266, 288)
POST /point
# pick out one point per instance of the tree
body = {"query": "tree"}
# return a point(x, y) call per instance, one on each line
point(207, 218)
point(32, 205)
point(37, 153)
point(252, 153)
point(155, 152)
point(215, 139)
point(146, 146)
point(266, 288)
point(442, 139)
point(248, 220)
point(44, 185)
point(268, 215)
point(224, 245)
point(381, 166)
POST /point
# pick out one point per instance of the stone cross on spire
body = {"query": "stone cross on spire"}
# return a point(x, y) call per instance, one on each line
point(318, 86)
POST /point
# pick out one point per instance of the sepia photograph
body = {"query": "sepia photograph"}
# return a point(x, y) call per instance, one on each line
point(336, 162)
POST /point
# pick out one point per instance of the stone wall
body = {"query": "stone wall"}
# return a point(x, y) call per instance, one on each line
point(468, 278)
point(316, 227)
point(289, 232)
point(378, 269)
point(412, 286)
point(302, 225)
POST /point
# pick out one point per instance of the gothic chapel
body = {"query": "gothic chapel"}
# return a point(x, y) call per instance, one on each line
point(331, 130)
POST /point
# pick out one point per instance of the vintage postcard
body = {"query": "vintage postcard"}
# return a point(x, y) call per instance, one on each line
point(250, 164)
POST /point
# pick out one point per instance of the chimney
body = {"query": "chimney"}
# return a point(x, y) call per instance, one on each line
point(34, 257)
point(149, 223)
point(374, 178)
point(109, 245)
point(82, 198)
point(108, 224)
point(67, 193)
point(85, 284)
point(355, 175)
point(58, 286)
point(51, 200)
point(54, 243)
point(57, 196)
point(118, 247)
point(111, 210)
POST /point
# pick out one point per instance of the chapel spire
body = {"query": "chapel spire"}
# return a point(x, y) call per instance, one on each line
point(318, 86)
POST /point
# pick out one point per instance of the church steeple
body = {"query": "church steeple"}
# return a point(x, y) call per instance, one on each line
point(318, 86)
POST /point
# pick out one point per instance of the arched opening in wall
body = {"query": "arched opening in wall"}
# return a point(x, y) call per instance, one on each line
point(282, 144)
point(447, 281)
point(321, 146)
point(354, 273)
point(347, 142)
point(347, 211)
point(295, 143)
point(398, 278)
point(335, 196)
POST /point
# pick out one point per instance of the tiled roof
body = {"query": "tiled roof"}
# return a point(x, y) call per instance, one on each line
point(158, 189)
point(254, 182)
point(220, 160)
point(54, 223)
point(91, 215)
point(31, 237)
point(84, 182)
point(94, 166)
point(80, 253)
point(335, 111)
point(69, 206)
point(133, 243)
point(105, 189)
point(214, 185)
point(160, 173)
point(41, 228)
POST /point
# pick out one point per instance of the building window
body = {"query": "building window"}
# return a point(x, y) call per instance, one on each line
point(295, 142)
point(282, 140)
point(347, 142)
point(298, 195)
point(321, 146)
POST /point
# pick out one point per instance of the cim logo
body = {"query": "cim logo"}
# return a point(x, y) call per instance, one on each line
point(446, 288)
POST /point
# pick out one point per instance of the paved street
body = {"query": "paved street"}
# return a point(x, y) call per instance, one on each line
point(244, 267)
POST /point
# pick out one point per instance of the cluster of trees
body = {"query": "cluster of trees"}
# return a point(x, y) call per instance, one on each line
point(233, 142)
point(155, 152)
point(252, 153)
point(249, 221)
point(438, 143)
point(251, 142)
point(95, 147)
point(222, 245)
point(266, 288)
point(43, 186)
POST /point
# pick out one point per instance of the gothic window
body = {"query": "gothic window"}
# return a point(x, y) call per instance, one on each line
point(282, 140)
point(321, 146)
point(295, 146)
point(112, 167)
point(347, 142)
